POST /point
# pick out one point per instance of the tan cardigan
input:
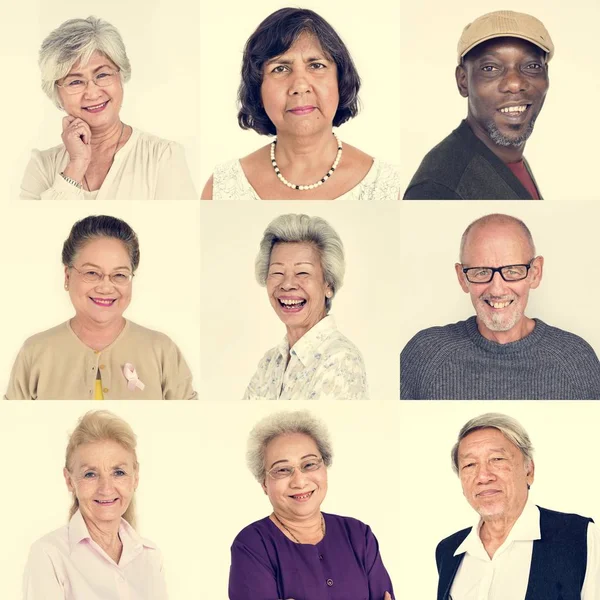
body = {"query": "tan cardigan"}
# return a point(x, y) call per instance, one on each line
point(57, 365)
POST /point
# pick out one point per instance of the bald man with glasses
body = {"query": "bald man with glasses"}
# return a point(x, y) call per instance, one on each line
point(500, 353)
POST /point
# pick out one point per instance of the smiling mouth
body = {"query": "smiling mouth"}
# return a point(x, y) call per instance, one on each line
point(302, 497)
point(96, 107)
point(103, 301)
point(291, 305)
point(498, 305)
point(106, 502)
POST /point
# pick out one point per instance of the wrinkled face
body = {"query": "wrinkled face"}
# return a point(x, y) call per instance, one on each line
point(300, 495)
point(494, 474)
point(104, 477)
point(505, 80)
point(296, 284)
point(97, 106)
point(100, 302)
point(500, 305)
point(300, 88)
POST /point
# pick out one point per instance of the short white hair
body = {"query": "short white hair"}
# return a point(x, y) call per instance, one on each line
point(510, 428)
point(285, 423)
point(294, 228)
point(76, 40)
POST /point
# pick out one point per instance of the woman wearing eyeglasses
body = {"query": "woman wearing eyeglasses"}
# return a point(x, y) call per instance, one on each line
point(98, 354)
point(299, 552)
point(84, 66)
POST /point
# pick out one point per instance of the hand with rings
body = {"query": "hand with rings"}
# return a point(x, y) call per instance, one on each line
point(77, 138)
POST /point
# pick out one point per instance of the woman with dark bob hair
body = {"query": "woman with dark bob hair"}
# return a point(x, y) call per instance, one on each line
point(98, 354)
point(298, 82)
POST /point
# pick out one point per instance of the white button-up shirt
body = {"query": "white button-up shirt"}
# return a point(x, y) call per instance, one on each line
point(506, 575)
point(323, 365)
point(68, 565)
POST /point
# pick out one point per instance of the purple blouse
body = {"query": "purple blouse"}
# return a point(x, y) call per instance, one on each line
point(344, 565)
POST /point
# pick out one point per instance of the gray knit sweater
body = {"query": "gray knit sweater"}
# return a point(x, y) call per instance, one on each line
point(456, 362)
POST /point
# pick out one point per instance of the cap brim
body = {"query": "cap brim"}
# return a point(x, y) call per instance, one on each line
point(547, 50)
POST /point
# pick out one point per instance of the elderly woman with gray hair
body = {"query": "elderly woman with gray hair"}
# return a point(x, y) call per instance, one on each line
point(301, 263)
point(299, 552)
point(98, 555)
point(84, 66)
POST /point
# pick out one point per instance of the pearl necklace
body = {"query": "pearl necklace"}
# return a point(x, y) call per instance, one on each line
point(312, 186)
point(295, 538)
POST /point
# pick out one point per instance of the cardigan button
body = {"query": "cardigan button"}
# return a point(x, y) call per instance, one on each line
point(103, 366)
point(105, 390)
point(330, 582)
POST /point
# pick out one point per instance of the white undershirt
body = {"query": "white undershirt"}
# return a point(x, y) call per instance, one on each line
point(506, 575)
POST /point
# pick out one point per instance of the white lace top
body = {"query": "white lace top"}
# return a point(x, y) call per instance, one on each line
point(382, 182)
point(323, 365)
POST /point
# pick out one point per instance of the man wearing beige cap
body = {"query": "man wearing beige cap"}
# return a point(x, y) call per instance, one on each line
point(503, 72)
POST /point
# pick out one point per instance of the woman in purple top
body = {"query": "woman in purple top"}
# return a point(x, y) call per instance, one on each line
point(298, 552)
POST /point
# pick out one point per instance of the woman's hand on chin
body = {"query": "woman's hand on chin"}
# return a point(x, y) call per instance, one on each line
point(77, 138)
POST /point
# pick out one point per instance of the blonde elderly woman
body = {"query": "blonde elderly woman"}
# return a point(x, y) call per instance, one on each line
point(301, 263)
point(298, 83)
point(98, 555)
point(84, 66)
point(98, 354)
point(298, 551)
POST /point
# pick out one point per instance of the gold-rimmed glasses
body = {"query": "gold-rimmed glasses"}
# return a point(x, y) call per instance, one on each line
point(119, 278)
point(74, 84)
point(284, 470)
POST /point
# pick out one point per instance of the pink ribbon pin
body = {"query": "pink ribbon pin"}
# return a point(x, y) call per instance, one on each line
point(131, 375)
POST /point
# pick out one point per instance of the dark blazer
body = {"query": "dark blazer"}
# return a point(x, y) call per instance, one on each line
point(558, 562)
point(462, 167)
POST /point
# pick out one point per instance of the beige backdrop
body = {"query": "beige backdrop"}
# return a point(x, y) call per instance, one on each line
point(165, 288)
point(370, 34)
point(195, 493)
point(238, 322)
point(563, 148)
point(162, 97)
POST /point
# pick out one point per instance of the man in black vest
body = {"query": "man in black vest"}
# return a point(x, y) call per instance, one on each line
point(503, 72)
point(518, 551)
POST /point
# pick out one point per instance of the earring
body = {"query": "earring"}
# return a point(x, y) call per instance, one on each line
point(66, 286)
point(328, 293)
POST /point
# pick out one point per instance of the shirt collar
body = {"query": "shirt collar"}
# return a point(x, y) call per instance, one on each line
point(132, 542)
point(525, 529)
point(306, 348)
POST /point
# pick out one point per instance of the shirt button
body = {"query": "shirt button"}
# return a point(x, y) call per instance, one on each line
point(102, 366)
point(105, 390)
point(330, 582)
point(320, 557)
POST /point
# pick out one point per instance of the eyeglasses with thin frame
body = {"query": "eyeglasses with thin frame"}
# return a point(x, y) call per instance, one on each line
point(306, 466)
point(119, 278)
point(73, 84)
point(507, 272)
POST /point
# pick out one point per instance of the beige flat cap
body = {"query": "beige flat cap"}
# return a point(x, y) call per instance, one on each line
point(504, 23)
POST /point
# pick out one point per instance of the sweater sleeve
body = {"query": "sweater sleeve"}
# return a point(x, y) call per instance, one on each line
point(174, 179)
point(40, 182)
point(21, 386)
point(177, 377)
point(430, 190)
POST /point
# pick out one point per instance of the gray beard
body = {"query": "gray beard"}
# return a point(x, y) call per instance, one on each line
point(508, 142)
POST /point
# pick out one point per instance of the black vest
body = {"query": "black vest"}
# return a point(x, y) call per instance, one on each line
point(558, 561)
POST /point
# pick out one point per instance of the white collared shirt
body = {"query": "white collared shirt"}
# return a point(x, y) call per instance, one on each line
point(506, 575)
point(323, 365)
point(68, 565)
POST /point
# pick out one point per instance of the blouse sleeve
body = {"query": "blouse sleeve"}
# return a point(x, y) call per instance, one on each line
point(41, 182)
point(21, 385)
point(379, 580)
point(41, 580)
point(174, 179)
point(177, 377)
point(250, 574)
